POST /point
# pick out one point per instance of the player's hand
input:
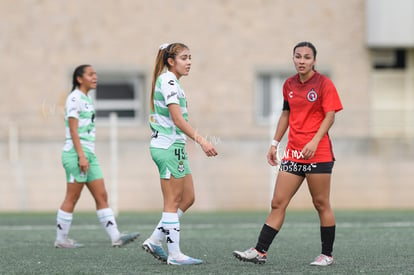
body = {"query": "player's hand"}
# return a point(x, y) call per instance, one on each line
point(272, 156)
point(309, 150)
point(208, 148)
point(84, 164)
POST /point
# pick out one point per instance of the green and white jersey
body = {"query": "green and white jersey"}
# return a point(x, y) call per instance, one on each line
point(167, 91)
point(80, 106)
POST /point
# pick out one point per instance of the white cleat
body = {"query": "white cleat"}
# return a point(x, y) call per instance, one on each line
point(251, 255)
point(155, 250)
point(125, 239)
point(322, 260)
point(183, 260)
point(67, 243)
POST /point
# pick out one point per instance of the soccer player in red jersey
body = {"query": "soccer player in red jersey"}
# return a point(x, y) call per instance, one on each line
point(310, 104)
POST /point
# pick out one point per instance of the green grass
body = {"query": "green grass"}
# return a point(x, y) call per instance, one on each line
point(367, 242)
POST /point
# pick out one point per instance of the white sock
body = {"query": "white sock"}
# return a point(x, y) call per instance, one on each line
point(107, 219)
point(158, 234)
point(180, 213)
point(64, 221)
point(171, 225)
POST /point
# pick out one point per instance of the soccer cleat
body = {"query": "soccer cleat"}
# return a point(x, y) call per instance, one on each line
point(183, 260)
point(155, 250)
point(125, 239)
point(251, 255)
point(67, 243)
point(323, 260)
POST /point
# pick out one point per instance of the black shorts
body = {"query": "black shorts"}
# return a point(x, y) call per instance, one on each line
point(301, 169)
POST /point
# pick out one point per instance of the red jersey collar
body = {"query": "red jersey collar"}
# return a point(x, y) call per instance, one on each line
point(312, 77)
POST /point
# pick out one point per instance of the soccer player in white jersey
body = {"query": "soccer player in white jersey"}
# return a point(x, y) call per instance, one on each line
point(81, 165)
point(170, 127)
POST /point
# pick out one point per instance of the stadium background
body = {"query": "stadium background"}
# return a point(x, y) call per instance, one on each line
point(237, 46)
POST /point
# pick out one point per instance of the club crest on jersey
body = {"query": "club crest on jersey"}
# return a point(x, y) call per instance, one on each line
point(180, 167)
point(171, 95)
point(312, 95)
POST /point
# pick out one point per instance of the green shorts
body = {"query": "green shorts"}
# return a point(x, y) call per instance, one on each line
point(71, 164)
point(172, 161)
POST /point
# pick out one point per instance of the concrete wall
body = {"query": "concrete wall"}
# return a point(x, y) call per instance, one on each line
point(230, 40)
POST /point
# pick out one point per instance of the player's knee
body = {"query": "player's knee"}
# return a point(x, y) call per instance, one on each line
point(277, 204)
point(320, 204)
point(72, 199)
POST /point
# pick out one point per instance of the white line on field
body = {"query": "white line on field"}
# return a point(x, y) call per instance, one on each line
point(210, 226)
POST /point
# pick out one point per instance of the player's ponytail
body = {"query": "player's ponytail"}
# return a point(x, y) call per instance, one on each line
point(158, 68)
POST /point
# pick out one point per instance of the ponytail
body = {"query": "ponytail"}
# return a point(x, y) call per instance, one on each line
point(158, 68)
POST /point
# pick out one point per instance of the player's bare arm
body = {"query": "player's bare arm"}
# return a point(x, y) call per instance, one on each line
point(184, 126)
point(83, 161)
point(309, 149)
point(281, 129)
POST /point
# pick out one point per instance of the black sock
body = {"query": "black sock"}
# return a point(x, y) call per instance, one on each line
point(327, 238)
point(265, 238)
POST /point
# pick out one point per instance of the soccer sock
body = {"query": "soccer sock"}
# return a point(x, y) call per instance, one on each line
point(158, 234)
point(107, 219)
point(265, 238)
point(180, 213)
point(171, 225)
point(64, 221)
point(327, 238)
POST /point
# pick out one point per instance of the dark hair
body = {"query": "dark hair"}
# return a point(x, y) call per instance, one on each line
point(306, 44)
point(161, 62)
point(79, 71)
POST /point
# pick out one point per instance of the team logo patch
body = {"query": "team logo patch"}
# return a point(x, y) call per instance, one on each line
point(180, 167)
point(312, 95)
point(171, 95)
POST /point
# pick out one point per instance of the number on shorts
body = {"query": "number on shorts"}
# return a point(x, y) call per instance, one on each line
point(179, 153)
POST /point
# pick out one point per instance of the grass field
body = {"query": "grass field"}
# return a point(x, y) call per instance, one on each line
point(368, 242)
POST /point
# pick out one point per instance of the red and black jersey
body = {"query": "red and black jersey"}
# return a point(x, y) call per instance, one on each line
point(308, 104)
